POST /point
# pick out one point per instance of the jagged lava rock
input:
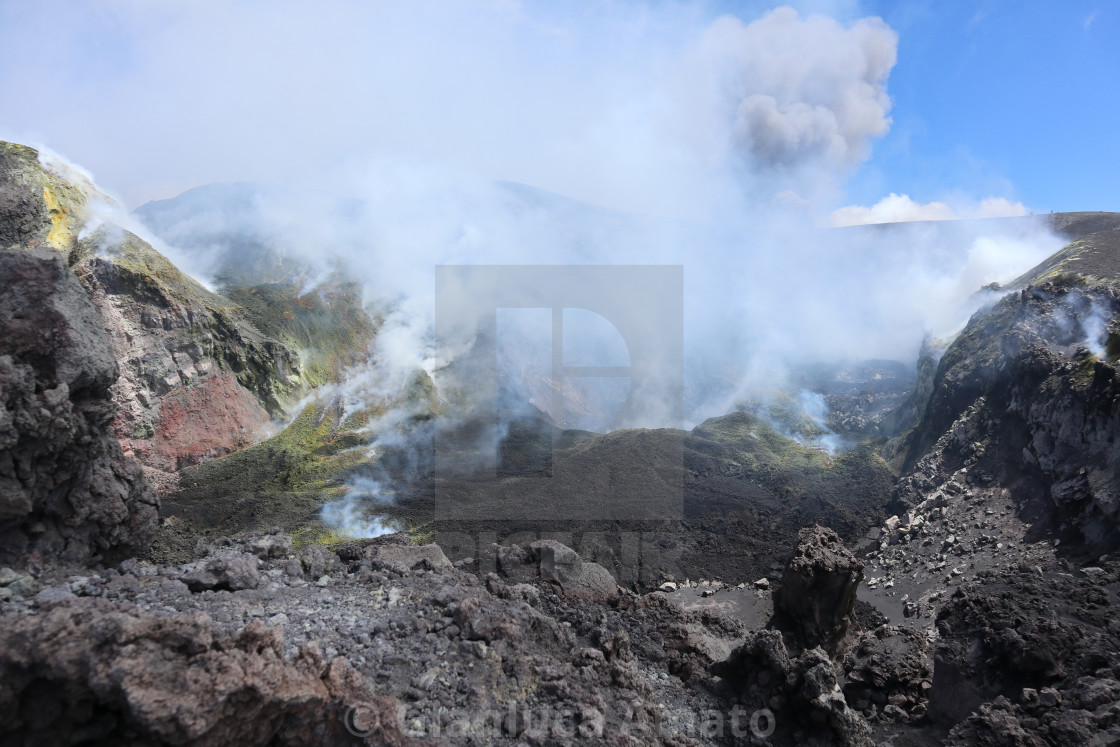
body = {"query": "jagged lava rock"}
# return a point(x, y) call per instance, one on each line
point(66, 489)
point(819, 586)
point(91, 671)
point(804, 692)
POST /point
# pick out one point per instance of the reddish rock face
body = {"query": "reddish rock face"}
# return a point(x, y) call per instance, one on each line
point(209, 419)
point(180, 396)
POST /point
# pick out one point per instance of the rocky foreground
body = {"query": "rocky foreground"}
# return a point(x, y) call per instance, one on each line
point(979, 608)
point(385, 641)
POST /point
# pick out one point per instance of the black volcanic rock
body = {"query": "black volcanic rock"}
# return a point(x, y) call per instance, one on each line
point(1029, 394)
point(66, 489)
point(889, 666)
point(1013, 634)
point(819, 586)
point(802, 694)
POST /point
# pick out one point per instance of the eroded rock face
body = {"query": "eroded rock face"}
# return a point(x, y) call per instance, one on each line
point(116, 675)
point(819, 586)
point(196, 380)
point(66, 489)
point(1029, 393)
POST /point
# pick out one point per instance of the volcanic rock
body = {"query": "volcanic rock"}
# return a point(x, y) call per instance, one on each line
point(819, 587)
point(577, 578)
point(103, 673)
point(66, 489)
point(804, 691)
point(891, 664)
point(232, 571)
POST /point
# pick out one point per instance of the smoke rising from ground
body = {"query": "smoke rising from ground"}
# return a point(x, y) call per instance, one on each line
point(725, 140)
point(402, 136)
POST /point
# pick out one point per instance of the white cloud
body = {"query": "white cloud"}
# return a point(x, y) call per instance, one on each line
point(896, 208)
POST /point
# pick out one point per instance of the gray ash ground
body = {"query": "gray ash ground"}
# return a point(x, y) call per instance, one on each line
point(470, 659)
point(548, 650)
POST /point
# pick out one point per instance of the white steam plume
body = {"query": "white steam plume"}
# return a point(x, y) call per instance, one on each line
point(718, 137)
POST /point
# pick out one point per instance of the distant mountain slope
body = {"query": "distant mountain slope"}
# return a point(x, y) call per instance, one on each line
point(244, 233)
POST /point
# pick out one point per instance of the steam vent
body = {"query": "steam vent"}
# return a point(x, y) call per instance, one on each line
point(549, 374)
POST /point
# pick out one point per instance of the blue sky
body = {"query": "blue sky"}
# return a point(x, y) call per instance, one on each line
point(1022, 98)
point(1017, 100)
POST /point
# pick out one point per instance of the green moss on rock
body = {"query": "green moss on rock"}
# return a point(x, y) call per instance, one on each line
point(327, 324)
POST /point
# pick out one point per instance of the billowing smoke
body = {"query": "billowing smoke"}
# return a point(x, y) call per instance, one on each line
point(803, 90)
point(816, 409)
point(402, 137)
point(352, 517)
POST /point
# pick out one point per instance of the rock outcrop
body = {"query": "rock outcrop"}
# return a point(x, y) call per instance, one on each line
point(819, 587)
point(92, 671)
point(556, 563)
point(1030, 392)
point(66, 489)
point(196, 382)
point(577, 578)
point(198, 377)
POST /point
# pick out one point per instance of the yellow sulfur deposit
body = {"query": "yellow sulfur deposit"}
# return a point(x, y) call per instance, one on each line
point(61, 236)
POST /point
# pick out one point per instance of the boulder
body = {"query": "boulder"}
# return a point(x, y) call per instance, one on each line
point(409, 557)
point(577, 578)
point(233, 571)
point(819, 587)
